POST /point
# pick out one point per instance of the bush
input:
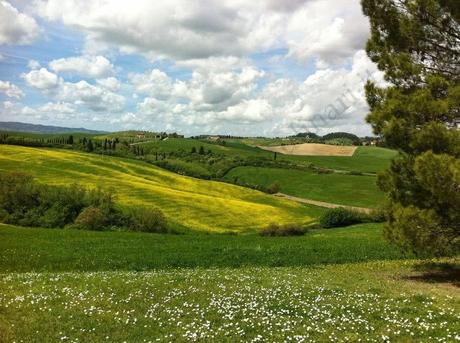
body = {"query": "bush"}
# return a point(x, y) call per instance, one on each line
point(91, 218)
point(147, 219)
point(273, 230)
point(338, 217)
point(274, 188)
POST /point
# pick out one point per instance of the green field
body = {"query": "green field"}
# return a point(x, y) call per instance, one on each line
point(331, 285)
point(343, 189)
point(365, 159)
point(38, 250)
point(187, 202)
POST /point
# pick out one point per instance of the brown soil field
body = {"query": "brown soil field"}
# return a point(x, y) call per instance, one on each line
point(312, 149)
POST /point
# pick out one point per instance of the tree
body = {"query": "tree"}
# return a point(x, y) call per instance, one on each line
point(89, 146)
point(201, 150)
point(417, 44)
point(193, 151)
point(70, 140)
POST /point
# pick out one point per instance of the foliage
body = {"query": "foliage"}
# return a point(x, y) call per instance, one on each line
point(338, 217)
point(417, 45)
point(91, 218)
point(27, 203)
point(147, 219)
point(274, 188)
point(274, 229)
point(344, 136)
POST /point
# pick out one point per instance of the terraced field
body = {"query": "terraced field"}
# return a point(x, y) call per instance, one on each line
point(187, 202)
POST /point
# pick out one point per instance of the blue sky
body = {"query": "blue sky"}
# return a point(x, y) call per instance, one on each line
point(271, 67)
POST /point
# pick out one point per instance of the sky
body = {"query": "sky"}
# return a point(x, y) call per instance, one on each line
point(249, 68)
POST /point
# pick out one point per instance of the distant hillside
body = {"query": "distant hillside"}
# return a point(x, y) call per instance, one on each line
point(36, 128)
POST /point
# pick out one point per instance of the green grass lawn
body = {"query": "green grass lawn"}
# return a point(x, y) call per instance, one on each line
point(353, 190)
point(331, 285)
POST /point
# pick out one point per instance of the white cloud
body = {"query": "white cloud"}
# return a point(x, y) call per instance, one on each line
point(328, 100)
point(41, 79)
point(178, 29)
point(11, 90)
point(329, 31)
point(16, 27)
point(110, 83)
point(155, 83)
point(33, 64)
point(326, 30)
point(248, 111)
point(228, 68)
point(93, 97)
point(92, 66)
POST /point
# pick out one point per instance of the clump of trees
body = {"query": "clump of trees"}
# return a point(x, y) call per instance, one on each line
point(417, 44)
point(28, 203)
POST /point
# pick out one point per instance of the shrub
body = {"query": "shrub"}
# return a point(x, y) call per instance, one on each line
point(338, 217)
point(273, 230)
point(274, 188)
point(147, 219)
point(91, 218)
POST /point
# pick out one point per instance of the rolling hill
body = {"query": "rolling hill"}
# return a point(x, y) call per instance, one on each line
point(37, 128)
point(187, 202)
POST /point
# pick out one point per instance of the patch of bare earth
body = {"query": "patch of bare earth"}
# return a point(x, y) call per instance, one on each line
point(312, 149)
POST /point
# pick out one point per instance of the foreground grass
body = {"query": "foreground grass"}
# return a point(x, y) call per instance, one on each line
point(24, 250)
point(332, 285)
point(187, 202)
point(372, 302)
point(343, 189)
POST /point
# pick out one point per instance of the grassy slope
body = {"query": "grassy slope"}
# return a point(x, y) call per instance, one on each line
point(196, 204)
point(365, 159)
point(304, 299)
point(335, 188)
point(68, 250)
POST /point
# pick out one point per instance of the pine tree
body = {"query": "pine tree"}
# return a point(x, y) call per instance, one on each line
point(201, 151)
point(417, 44)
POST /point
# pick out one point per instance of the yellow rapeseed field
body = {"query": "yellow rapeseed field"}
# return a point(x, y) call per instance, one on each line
point(192, 203)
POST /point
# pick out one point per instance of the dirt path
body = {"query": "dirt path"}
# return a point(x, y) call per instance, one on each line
point(322, 203)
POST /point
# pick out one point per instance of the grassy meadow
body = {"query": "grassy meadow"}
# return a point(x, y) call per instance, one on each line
point(188, 203)
point(330, 285)
point(60, 250)
point(343, 189)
